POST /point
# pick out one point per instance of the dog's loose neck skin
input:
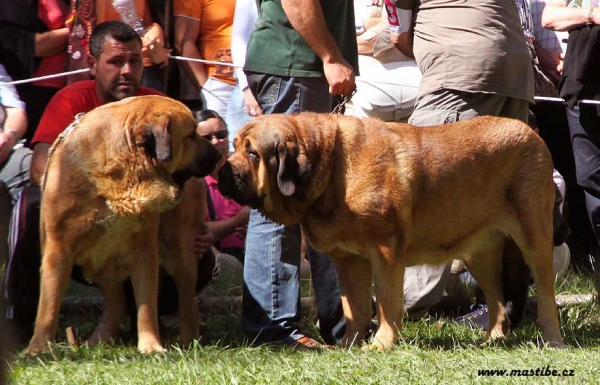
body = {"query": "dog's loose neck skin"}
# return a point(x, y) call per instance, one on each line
point(126, 194)
point(317, 218)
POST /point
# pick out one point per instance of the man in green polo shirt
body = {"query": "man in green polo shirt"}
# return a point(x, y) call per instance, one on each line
point(301, 56)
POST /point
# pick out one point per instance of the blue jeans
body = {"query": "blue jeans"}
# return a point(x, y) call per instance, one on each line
point(271, 299)
point(584, 121)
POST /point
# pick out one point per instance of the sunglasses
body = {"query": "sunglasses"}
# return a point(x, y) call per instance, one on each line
point(220, 135)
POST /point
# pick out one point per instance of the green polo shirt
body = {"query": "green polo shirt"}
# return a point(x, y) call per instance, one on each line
point(276, 48)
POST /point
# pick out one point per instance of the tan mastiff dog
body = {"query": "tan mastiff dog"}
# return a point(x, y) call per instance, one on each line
point(108, 178)
point(382, 196)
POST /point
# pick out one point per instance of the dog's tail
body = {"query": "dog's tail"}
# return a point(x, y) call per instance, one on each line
point(516, 277)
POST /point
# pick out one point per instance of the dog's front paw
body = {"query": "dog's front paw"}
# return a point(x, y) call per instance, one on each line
point(496, 334)
point(36, 347)
point(381, 341)
point(100, 336)
point(375, 346)
point(146, 347)
point(187, 339)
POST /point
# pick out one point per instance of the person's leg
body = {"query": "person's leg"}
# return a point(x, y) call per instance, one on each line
point(21, 283)
point(584, 121)
point(271, 298)
point(424, 285)
point(216, 94)
point(554, 129)
point(330, 314)
point(236, 115)
point(448, 106)
point(514, 108)
point(387, 91)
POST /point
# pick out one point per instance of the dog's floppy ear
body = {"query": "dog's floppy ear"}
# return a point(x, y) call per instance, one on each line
point(157, 140)
point(293, 168)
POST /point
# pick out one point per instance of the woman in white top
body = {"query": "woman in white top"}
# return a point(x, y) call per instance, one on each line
point(242, 105)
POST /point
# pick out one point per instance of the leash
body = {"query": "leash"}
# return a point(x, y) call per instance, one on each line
point(341, 106)
point(58, 141)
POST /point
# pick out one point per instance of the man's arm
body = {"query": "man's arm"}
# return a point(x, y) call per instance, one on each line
point(402, 29)
point(51, 42)
point(306, 16)
point(39, 159)
point(558, 17)
point(186, 34)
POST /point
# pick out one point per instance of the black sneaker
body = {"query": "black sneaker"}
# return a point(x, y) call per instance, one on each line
point(477, 319)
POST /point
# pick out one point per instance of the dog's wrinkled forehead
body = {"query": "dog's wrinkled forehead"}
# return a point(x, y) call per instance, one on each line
point(265, 131)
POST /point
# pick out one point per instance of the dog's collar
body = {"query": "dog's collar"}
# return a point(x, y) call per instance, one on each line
point(59, 140)
point(65, 132)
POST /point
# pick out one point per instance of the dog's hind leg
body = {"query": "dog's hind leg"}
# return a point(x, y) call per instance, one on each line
point(485, 266)
point(181, 263)
point(355, 279)
point(55, 275)
point(388, 273)
point(516, 277)
point(535, 240)
point(112, 311)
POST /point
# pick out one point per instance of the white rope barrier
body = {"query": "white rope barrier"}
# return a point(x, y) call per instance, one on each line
point(560, 100)
point(218, 63)
point(68, 73)
point(548, 99)
point(183, 58)
point(59, 75)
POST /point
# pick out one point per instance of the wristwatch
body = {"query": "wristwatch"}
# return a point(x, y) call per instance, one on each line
point(589, 21)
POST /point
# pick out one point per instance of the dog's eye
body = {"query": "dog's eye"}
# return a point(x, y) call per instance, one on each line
point(253, 155)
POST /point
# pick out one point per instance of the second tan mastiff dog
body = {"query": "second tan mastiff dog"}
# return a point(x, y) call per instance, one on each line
point(382, 196)
point(109, 177)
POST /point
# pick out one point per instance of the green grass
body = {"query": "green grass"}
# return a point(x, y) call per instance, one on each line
point(432, 351)
point(428, 354)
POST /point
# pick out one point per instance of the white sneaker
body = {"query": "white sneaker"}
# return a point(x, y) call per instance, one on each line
point(562, 257)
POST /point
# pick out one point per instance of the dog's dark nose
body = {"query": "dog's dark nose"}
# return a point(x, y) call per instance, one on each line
point(227, 184)
point(226, 180)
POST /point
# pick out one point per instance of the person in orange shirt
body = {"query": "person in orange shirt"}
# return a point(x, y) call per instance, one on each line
point(203, 31)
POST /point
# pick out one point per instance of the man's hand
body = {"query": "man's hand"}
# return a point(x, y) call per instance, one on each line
point(243, 216)
point(252, 107)
point(551, 63)
point(403, 42)
point(153, 45)
point(340, 77)
point(203, 241)
point(15, 126)
point(7, 142)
